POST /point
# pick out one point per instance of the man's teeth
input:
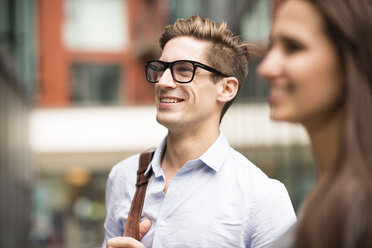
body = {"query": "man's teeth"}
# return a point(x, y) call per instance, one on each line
point(169, 100)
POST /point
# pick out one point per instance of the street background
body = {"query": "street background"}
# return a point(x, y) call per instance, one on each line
point(74, 101)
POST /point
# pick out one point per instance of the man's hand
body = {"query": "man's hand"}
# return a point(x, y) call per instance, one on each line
point(128, 242)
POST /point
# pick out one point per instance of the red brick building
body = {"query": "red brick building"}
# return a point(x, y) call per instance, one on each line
point(63, 63)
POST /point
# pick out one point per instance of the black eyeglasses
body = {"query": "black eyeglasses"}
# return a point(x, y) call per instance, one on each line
point(183, 71)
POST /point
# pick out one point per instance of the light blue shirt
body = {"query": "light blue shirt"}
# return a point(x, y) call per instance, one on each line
point(218, 200)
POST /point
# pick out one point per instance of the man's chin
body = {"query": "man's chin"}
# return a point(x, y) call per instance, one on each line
point(164, 121)
point(168, 122)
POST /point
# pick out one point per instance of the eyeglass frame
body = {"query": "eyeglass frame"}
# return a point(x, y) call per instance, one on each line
point(170, 66)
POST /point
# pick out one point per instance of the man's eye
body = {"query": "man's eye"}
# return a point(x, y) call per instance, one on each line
point(184, 68)
point(154, 68)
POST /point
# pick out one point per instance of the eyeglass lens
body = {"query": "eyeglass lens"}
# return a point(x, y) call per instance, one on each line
point(182, 71)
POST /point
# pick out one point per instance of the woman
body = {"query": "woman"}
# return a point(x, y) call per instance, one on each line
point(319, 67)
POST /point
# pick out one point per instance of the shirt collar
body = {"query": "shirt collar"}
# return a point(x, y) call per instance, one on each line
point(156, 159)
point(214, 157)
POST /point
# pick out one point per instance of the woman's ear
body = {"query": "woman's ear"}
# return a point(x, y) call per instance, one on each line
point(227, 89)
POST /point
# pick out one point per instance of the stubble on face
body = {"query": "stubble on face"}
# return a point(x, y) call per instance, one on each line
point(182, 107)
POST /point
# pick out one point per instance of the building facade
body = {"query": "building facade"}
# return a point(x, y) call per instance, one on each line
point(17, 80)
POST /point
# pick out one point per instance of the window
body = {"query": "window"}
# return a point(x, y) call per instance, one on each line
point(185, 9)
point(96, 25)
point(95, 84)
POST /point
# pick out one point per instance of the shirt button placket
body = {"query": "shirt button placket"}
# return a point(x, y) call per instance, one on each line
point(162, 224)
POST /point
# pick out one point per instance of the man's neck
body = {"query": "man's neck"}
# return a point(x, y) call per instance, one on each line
point(186, 146)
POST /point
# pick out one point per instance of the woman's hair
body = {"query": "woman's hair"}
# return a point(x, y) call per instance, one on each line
point(338, 211)
point(225, 53)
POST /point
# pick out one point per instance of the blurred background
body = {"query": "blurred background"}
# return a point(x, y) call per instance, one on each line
point(74, 102)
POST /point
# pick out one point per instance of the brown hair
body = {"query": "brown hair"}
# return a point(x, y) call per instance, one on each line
point(338, 211)
point(226, 52)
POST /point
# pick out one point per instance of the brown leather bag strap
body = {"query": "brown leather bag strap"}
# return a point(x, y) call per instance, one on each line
point(132, 224)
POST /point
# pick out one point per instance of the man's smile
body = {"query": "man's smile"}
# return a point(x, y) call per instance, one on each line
point(170, 100)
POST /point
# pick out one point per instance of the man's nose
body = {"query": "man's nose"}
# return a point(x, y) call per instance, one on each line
point(166, 79)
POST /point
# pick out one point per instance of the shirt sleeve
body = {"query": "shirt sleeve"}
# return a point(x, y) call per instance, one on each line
point(112, 226)
point(274, 216)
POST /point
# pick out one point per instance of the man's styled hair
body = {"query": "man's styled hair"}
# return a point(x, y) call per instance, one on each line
point(226, 52)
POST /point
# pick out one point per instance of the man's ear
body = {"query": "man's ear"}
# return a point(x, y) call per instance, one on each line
point(227, 89)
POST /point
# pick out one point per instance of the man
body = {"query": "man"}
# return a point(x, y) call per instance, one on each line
point(202, 192)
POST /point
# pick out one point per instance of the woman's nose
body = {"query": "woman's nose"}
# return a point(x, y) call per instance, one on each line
point(272, 64)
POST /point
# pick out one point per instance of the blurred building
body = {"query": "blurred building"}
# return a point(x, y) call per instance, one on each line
point(16, 99)
point(16, 172)
point(94, 106)
point(90, 64)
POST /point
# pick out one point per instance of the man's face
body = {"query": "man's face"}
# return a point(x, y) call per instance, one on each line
point(192, 106)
